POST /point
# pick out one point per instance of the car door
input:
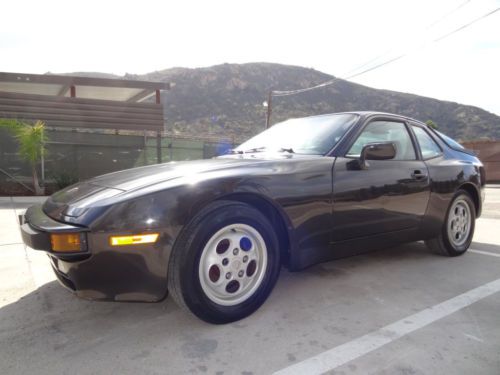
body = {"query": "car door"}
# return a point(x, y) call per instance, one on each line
point(385, 195)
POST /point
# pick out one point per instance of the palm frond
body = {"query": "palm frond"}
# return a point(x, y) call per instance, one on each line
point(31, 140)
point(14, 126)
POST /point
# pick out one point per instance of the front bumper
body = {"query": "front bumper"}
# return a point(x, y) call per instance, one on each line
point(36, 228)
point(99, 272)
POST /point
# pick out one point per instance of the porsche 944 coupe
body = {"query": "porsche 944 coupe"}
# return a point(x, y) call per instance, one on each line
point(215, 233)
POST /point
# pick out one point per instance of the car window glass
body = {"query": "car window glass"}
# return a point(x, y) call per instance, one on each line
point(385, 131)
point(428, 146)
point(309, 135)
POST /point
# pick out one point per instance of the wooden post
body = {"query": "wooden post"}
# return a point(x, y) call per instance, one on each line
point(158, 146)
point(72, 91)
point(145, 149)
point(158, 134)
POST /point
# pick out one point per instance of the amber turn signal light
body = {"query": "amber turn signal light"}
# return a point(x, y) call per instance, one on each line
point(134, 239)
point(65, 242)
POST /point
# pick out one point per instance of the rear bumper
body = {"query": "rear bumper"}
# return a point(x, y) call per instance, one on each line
point(99, 272)
point(482, 192)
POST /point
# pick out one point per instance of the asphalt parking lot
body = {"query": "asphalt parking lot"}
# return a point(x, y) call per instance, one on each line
point(401, 310)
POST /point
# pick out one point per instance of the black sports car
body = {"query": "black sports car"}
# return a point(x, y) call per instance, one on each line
point(215, 233)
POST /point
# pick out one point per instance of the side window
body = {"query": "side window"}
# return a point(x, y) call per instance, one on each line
point(428, 146)
point(385, 131)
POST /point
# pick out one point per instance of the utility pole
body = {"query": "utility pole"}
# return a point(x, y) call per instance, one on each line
point(269, 109)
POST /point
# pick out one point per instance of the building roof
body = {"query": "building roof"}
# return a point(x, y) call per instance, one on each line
point(82, 102)
point(84, 87)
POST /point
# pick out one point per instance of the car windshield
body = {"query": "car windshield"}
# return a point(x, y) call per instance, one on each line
point(309, 135)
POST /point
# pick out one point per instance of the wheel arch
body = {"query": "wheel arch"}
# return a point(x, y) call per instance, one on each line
point(474, 194)
point(279, 219)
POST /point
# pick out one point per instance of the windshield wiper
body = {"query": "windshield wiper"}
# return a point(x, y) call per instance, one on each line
point(255, 149)
point(233, 151)
point(259, 149)
point(289, 150)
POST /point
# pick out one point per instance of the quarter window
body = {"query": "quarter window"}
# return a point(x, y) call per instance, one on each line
point(428, 146)
point(385, 131)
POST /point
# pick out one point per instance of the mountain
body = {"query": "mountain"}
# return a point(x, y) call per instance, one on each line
point(227, 100)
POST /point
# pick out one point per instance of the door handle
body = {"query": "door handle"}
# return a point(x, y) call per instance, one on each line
point(417, 174)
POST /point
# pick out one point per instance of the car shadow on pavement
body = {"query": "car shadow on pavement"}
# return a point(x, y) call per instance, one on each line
point(52, 305)
point(51, 322)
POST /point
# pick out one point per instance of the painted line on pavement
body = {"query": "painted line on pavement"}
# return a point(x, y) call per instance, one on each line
point(356, 348)
point(484, 253)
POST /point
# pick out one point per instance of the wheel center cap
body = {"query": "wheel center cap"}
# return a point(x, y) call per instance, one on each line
point(236, 264)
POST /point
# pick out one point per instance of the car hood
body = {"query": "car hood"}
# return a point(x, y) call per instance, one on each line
point(132, 179)
point(75, 199)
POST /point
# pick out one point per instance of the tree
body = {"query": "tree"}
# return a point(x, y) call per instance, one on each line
point(31, 139)
point(431, 124)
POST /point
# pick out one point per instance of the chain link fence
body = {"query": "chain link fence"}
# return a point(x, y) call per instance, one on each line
point(76, 155)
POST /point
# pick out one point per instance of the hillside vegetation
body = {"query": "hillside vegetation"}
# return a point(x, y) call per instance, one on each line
point(227, 99)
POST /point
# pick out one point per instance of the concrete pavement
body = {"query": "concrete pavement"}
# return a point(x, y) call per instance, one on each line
point(45, 330)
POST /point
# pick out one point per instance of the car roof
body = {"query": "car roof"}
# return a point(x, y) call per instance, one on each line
point(369, 114)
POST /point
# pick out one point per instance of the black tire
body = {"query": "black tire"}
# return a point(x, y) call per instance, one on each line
point(442, 244)
point(183, 278)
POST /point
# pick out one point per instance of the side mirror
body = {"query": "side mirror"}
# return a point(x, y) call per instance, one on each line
point(377, 151)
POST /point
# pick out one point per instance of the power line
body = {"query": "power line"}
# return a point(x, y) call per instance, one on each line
point(466, 25)
point(447, 15)
point(377, 66)
point(333, 80)
point(327, 83)
point(291, 92)
point(428, 27)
